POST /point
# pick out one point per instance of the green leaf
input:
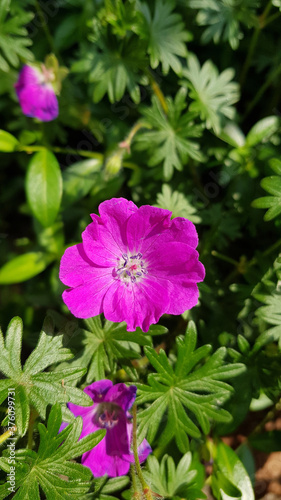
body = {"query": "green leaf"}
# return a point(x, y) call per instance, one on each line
point(270, 313)
point(22, 410)
point(263, 130)
point(24, 267)
point(44, 187)
point(223, 18)
point(46, 468)
point(177, 203)
point(32, 387)
point(268, 442)
point(245, 454)
point(100, 346)
point(8, 143)
point(169, 140)
point(223, 488)
point(14, 37)
point(170, 481)
point(14, 343)
point(233, 135)
point(200, 390)
point(213, 93)
point(112, 67)
point(233, 469)
point(78, 180)
point(165, 34)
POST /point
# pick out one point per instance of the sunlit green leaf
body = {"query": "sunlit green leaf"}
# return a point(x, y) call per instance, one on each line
point(44, 187)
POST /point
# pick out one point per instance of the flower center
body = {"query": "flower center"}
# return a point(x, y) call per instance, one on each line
point(130, 268)
point(107, 415)
point(47, 74)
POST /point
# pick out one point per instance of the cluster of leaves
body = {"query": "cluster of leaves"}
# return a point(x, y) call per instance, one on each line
point(114, 67)
point(13, 36)
point(52, 468)
point(223, 18)
point(33, 386)
point(199, 389)
point(169, 140)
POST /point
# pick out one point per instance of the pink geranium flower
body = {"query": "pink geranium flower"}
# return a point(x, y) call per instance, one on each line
point(112, 456)
point(134, 265)
point(36, 94)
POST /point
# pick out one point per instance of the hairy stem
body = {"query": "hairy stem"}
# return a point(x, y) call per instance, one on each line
point(136, 493)
point(32, 418)
point(145, 488)
point(6, 435)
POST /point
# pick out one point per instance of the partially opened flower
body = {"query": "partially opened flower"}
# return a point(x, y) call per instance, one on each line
point(36, 93)
point(134, 265)
point(112, 456)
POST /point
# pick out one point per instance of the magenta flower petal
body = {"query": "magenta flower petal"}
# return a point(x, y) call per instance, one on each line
point(122, 395)
point(85, 301)
point(183, 230)
point(27, 76)
point(75, 268)
point(98, 390)
point(175, 261)
point(143, 450)
point(138, 306)
point(99, 245)
point(36, 96)
point(117, 439)
point(134, 265)
point(101, 463)
point(145, 226)
point(112, 456)
point(187, 297)
point(114, 215)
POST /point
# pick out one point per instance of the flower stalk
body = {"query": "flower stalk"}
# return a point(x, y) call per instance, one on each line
point(158, 92)
point(6, 435)
point(262, 21)
point(44, 26)
point(145, 487)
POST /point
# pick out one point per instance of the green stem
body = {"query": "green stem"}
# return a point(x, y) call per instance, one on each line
point(145, 488)
point(7, 434)
point(77, 152)
point(126, 144)
point(273, 247)
point(55, 149)
point(272, 18)
point(224, 257)
point(249, 57)
point(158, 92)
point(32, 418)
point(269, 416)
point(262, 90)
point(137, 494)
point(133, 132)
point(45, 26)
point(261, 24)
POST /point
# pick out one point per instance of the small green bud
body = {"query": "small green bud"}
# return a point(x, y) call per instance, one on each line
point(114, 163)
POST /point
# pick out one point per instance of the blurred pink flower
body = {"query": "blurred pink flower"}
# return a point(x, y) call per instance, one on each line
point(36, 94)
point(134, 265)
point(112, 456)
